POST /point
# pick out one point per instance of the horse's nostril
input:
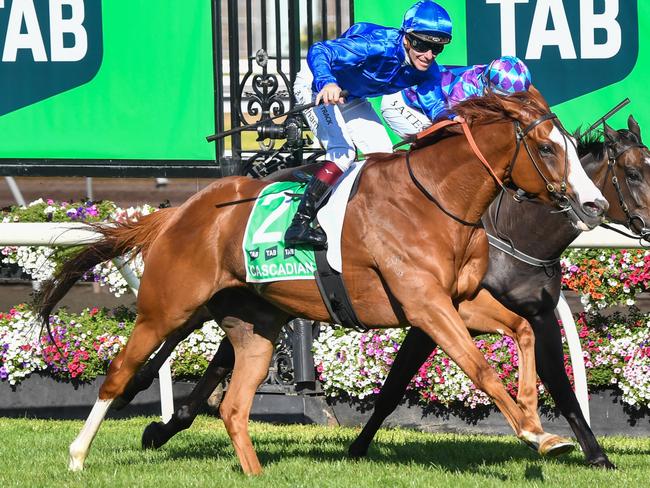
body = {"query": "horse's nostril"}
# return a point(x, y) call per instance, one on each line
point(595, 209)
point(603, 204)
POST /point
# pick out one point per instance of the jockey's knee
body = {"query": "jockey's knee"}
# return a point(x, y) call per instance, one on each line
point(342, 157)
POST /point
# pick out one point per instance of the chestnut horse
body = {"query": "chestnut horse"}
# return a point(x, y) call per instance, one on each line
point(530, 289)
point(406, 262)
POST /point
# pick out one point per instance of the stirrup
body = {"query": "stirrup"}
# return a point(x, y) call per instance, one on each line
point(307, 235)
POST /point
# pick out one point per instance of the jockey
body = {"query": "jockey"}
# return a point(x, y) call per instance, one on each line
point(410, 111)
point(368, 60)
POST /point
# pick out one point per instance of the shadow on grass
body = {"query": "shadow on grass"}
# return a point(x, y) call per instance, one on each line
point(453, 455)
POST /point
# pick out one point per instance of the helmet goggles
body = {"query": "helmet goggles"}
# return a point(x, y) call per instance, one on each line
point(422, 44)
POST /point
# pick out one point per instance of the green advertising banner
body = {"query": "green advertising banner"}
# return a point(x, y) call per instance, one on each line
point(585, 55)
point(111, 80)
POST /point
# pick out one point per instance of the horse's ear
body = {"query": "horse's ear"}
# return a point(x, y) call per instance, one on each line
point(634, 127)
point(536, 94)
point(610, 134)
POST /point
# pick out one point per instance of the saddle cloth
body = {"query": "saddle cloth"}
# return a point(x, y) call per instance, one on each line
point(265, 255)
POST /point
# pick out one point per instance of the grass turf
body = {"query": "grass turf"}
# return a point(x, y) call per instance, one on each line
point(34, 454)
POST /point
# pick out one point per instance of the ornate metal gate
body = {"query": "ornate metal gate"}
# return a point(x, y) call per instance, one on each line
point(259, 47)
point(258, 50)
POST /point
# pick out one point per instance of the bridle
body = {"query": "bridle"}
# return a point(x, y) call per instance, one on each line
point(520, 135)
point(559, 195)
point(612, 159)
point(504, 244)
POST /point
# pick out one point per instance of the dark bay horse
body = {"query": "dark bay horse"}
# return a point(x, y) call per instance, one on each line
point(406, 262)
point(532, 289)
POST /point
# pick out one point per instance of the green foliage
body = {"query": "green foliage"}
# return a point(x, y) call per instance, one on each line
point(299, 456)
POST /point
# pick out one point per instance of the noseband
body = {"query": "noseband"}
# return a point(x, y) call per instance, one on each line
point(612, 159)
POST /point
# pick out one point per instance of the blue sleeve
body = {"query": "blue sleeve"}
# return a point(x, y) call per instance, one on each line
point(431, 98)
point(340, 53)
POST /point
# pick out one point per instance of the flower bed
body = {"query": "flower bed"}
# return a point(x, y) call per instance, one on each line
point(349, 364)
point(616, 353)
point(84, 345)
point(606, 277)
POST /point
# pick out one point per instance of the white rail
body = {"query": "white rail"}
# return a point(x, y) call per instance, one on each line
point(73, 234)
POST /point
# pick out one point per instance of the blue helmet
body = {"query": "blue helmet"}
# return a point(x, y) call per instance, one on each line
point(429, 21)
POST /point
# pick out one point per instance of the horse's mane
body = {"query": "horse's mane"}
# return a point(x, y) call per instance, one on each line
point(490, 109)
point(589, 143)
point(594, 142)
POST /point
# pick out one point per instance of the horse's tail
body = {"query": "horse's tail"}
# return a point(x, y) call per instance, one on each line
point(116, 240)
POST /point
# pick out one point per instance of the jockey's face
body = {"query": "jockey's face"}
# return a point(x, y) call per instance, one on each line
point(420, 60)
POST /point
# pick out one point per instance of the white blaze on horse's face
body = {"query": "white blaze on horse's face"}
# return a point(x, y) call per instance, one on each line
point(586, 192)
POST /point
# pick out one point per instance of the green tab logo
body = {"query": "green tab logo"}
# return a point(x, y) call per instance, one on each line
point(572, 48)
point(48, 47)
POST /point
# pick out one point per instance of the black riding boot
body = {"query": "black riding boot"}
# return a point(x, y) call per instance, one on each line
point(300, 231)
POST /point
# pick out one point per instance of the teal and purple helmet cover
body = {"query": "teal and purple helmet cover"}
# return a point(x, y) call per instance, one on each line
point(507, 75)
point(504, 75)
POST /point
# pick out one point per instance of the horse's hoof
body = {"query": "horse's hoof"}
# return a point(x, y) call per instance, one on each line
point(76, 459)
point(554, 445)
point(153, 436)
point(357, 452)
point(75, 465)
point(602, 462)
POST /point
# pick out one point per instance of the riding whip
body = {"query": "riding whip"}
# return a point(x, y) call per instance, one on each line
point(294, 110)
point(604, 118)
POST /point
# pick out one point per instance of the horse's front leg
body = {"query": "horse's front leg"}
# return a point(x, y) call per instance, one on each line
point(485, 314)
point(440, 320)
point(415, 349)
point(550, 367)
point(437, 316)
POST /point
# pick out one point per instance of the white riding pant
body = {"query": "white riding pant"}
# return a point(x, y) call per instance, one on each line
point(340, 128)
point(404, 120)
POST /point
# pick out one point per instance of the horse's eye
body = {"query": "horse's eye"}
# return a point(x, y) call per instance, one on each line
point(546, 149)
point(633, 176)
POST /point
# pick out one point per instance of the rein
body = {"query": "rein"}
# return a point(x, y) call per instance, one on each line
point(505, 244)
point(520, 137)
point(476, 150)
point(508, 248)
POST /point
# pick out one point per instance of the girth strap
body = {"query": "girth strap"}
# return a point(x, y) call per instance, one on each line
point(509, 249)
point(335, 294)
